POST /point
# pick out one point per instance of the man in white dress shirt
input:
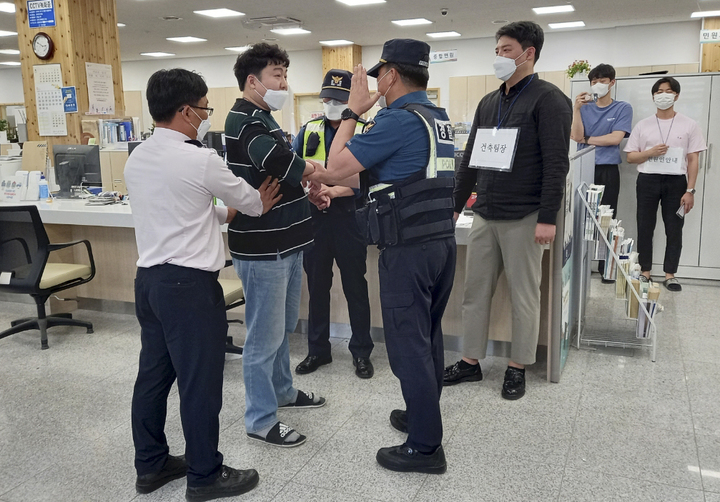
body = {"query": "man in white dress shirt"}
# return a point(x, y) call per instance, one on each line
point(178, 300)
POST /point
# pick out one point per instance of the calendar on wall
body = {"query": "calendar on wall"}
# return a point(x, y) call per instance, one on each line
point(49, 100)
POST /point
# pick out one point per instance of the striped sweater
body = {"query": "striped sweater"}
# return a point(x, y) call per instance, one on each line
point(257, 148)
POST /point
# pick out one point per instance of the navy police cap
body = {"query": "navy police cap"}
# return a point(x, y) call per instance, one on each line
point(336, 85)
point(403, 51)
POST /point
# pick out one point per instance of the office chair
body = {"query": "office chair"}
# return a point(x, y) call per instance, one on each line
point(234, 297)
point(24, 269)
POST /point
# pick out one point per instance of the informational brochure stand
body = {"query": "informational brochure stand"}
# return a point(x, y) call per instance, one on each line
point(642, 303)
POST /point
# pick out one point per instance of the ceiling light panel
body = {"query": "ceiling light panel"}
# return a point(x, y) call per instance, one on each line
point(290, 31)
point(238, 49)
point(7, 33)
point(706, 13)
point(11, 63)
point(334, 43)
point(157, 54)
point(557, 9)
point(355, 3)
point(186, 40)
point(217, 13)
point(121, 25)
point(412, 22)
point(444, 34)
point(7, 7)
point(572, 24)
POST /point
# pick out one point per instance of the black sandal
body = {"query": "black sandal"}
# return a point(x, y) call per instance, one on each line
point(672, 284)
point(277, 436)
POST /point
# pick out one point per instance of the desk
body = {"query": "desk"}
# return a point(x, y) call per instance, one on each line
point(112, 235)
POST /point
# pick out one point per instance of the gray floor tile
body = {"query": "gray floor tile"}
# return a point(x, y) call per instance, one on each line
point(640, 452)
point(712, 497)
point(295, 490)
point(637, 408)
point(703, 382)
point(475, 475)
point(583, 486)
point(709, 453)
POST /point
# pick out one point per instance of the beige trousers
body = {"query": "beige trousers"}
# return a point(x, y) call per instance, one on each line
point(495, 246)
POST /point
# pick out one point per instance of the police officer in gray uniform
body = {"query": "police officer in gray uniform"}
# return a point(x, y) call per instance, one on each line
point(400, 162)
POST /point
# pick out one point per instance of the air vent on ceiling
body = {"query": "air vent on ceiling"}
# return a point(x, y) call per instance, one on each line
point(271, 22)
point(171, 18)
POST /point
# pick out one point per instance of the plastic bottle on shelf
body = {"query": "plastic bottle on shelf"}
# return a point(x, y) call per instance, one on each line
point(44, 191)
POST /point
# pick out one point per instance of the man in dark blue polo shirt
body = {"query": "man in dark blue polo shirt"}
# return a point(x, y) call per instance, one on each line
point(402, 158)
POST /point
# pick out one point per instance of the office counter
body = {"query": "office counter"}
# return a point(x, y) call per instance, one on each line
point(110, 231)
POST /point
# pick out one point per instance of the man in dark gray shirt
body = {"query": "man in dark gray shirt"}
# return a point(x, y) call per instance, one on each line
point(517, 156)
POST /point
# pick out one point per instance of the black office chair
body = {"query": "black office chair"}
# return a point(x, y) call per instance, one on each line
point(234, 297)
point(24, 269)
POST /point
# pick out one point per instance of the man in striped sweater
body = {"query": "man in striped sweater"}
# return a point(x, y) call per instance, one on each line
point(267, 252)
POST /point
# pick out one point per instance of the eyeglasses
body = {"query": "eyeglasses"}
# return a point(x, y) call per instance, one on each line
point(208, 110)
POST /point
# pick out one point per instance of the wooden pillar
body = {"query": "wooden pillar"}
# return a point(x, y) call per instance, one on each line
point(710, 52)
point(85, 31)
point(341, 58)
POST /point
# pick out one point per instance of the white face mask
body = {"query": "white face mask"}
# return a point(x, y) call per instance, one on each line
point(600, 89)
point(203, 128)
point(274, 99)
point(664, 100)
point(382, 102)
point(333, 109)
point(505, 67)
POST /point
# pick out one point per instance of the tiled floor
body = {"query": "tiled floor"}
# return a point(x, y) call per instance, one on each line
point(618, 427)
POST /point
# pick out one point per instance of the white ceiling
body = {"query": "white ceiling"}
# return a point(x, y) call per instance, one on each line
point(145, 31)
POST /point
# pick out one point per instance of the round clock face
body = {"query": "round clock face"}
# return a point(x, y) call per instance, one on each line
point(42, 46)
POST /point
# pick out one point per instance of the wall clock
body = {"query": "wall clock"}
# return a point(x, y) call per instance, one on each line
point(43, 46)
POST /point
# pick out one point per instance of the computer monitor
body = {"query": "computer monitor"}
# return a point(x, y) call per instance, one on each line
point(76, 165)
point(132, 145)
point(214, 140)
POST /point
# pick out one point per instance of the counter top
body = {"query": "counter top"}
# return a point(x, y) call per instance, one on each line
point(75, 212)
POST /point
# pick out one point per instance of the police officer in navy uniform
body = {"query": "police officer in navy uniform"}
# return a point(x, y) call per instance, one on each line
point(405, 163)
point(337, 238)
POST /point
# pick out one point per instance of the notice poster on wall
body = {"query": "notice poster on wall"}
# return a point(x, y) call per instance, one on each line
point(49, 100)
point(101, 94)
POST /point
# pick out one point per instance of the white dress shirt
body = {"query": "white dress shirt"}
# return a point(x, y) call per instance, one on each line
point(171, 186)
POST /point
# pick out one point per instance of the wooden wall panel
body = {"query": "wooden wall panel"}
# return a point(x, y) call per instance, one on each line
point(341, 58)
point(85, 32)
point(457, 109)
point(710, 60)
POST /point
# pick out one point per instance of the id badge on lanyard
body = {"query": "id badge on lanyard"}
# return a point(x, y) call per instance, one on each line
point(494, 148)
point(670, 163)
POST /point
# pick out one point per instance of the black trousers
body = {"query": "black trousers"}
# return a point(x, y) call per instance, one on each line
point(183, 328)
point(667, 190)
point(337, 238)
point(415, 285)
point(609, 175)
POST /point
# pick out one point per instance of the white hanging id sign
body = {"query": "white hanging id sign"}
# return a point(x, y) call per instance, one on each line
point(494, 148)
point(670, 163)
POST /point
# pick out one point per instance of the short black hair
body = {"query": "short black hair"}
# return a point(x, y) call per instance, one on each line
point(674, 85)
point(527, 33)
point(168, 90)
point(256, 58)
point(411, 75)
point(602, 71)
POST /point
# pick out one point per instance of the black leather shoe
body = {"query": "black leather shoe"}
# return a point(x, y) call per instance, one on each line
point(454, 375)
point(398, 419)
point(514, 384)
point(363, 367)
point(311, 363)
point(174, 468)
point(230, 482)
point(404, 459)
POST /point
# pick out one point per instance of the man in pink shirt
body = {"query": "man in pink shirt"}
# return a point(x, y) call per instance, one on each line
point(666, 147)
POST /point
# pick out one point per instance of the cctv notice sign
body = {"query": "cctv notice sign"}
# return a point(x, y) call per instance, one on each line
point(709, 36)
point(41, 13)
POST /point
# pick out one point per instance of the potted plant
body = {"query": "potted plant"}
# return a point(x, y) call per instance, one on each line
point(3, 130)
point(579, 66)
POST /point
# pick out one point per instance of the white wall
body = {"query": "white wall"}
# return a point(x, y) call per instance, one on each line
point(11, 86)
point(673, 43)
